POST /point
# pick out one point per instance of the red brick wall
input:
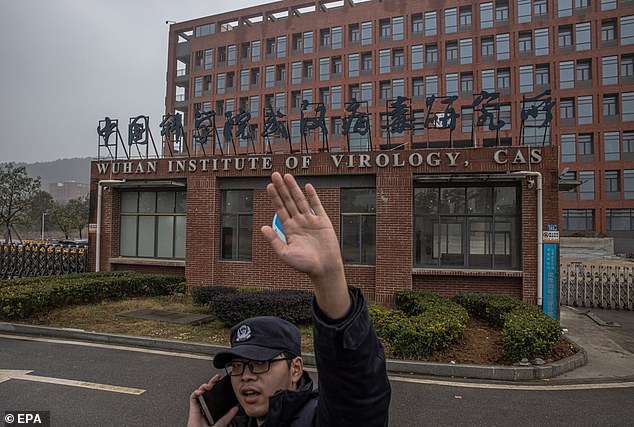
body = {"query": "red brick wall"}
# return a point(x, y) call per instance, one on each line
point(394, 232)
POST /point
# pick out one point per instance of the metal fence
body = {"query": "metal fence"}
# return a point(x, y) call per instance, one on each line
point(41, 259)
point(603, 286)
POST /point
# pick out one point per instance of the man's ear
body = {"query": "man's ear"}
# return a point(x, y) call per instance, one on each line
point(297, 369)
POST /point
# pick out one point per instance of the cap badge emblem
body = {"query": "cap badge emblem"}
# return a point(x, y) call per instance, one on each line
point(243, 333)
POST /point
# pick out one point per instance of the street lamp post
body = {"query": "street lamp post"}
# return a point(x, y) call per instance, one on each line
point(43, 215)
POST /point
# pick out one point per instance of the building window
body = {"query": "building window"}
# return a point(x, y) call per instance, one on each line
point(566, 75)
point(608, 30)
point(564, 8)
point(486, 15)
point(526, 79)
point(487, 46)
point(358, 225)
point(541, 42)
point(324, 69)
point(627, 106)
point(237, 225)
point(417, 23)
point(568, 148)
point(619, 219)
point(465, 15)
point(451, 52)
point(451, 21)
point(564, 37)
point(627, 65)
point(611, 141)
point(488, 80)
point(431, 52)
point(503, 46)
point(627, 30)
point(385, 61)
point(467, 119)
point(567, 108)
point(281, 47)
point(466, 83)
point(451, 82)
point(612, 182)
point(466, 51)
point(504, 79)
point(542, 75)
point(628, 142)
point(418, 87)
point(608, 4)
point(366, 93)
point(398, 28)
point(582, 36)
point(466, 227)
point(502, 12)
point(366, 33)
point(430, 23)
point(431, 83)
point(308, 42)
point(336, 35)
point(584, 110)
point(609, 70)
point(525, 41)
point(628, 184)
point(523, 11)
point(353, 65)
point(586, 147)
point(584, 70)
point(417, 57)
point(540, 7)
point(153, 224)
point(231, 55)
point(578, 219)
point(586, 189)
point(610, 103)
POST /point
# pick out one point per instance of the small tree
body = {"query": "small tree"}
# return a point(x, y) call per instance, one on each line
point(17, 191)
point(72, 216)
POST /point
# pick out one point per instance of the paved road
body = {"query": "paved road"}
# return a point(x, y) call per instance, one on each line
point(166, 379)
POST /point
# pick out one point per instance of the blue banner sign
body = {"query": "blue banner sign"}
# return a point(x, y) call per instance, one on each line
point(550, 280)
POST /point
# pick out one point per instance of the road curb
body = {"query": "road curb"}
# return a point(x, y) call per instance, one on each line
point(495, 372)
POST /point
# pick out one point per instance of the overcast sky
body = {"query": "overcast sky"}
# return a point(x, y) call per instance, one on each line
point(66, 64)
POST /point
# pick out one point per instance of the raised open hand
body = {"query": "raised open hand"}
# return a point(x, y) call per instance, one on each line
point(312, 246)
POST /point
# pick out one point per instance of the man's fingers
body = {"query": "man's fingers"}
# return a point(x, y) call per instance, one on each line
point(284, 193)
point(314, 201)
point(303, 205)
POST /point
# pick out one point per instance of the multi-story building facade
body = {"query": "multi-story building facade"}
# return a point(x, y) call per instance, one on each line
point(332, 52)
point(68, 190)
point(425, 127)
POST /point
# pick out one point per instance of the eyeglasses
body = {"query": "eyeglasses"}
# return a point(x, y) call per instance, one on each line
point(236, 367)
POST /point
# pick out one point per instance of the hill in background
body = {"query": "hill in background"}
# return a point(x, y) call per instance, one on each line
point(76, 169)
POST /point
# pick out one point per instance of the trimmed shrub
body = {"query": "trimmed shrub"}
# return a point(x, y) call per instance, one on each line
point(424, 323)
point(206, 295)
point(23, 300)
point(488, 307)
point(291, 305)
point(528, 333)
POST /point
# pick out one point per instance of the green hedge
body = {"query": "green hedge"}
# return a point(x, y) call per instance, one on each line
point(28, 297)
point(234, 305)
point(424, 322)
point(492, 308)
point(526, 332)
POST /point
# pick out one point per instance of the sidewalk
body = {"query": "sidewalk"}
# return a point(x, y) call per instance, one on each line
point(610, 349)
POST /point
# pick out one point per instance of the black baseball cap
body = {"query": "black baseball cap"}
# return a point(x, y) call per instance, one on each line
point(261, 338)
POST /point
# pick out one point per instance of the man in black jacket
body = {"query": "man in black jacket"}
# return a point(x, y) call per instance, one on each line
point(265, 362)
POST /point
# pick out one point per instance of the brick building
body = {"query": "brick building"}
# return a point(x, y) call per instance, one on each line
point(420, 206)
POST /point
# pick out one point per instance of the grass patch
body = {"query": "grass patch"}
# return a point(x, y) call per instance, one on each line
point(102, 317)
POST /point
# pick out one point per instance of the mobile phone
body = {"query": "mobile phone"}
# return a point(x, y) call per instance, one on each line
point(218, 401)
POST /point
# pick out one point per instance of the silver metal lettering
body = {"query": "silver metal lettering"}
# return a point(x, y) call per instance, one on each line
point(267, 164)
point(364, 161)
point(397, 160)
point(192, 166)
point(500, 157)
point(536, 156)
point(336, 159)
point(433, 159)
point(291, 162)
point(382, 160)
point(239, 163)
point(452, 158)
point(306, 161)
point(415, 160)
